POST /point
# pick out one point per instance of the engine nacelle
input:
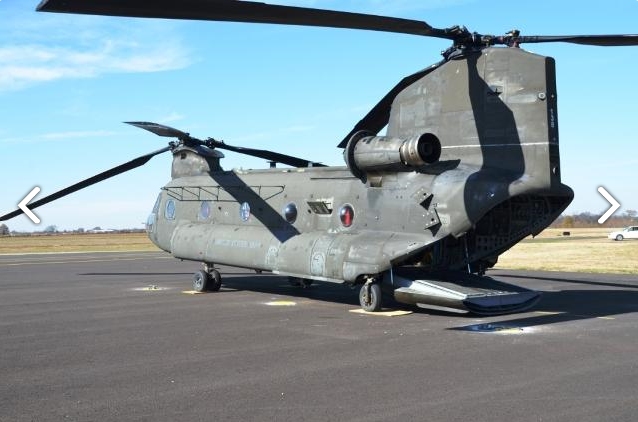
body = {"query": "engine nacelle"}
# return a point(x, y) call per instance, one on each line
point(366, 153)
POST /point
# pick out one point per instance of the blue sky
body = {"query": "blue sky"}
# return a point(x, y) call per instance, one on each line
point(68, 81)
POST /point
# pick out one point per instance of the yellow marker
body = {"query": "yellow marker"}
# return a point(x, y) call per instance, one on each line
point(191, 292)
point(281, 303)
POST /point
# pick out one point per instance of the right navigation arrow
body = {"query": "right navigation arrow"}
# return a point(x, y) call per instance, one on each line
point(614, 205)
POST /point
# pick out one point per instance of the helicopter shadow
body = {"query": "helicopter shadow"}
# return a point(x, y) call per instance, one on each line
point(627, 285)
point(575, 305)
point(279, 285)
point(604, 300)
point(125, 274)
point(497, 133)
point(259, 208)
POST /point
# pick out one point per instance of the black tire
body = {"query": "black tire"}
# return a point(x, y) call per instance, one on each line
point(215, 281)
point(201, 281)
point(619, 237)
point(371, 302)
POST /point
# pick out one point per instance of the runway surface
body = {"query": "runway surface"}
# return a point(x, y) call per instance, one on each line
point(84, 338)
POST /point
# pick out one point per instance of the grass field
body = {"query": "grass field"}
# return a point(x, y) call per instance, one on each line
point(90, 242)
point(585, 250)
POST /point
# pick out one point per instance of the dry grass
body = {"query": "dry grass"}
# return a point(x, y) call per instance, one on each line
point(585, 250)
point(77, 243)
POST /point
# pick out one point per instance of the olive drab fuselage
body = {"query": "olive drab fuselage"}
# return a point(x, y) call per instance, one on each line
point(495, 180)
point(469, 165)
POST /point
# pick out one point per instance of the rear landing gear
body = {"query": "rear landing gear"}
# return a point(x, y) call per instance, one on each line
point(370, 297)
point(201, 280)
point(215, 281)
point(207, 280)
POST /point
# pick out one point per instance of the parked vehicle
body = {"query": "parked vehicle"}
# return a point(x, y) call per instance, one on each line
point(630, 232)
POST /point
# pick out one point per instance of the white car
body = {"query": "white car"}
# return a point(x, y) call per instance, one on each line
point(630, 232)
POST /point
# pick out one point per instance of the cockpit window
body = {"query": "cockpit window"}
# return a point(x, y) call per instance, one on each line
point(157, 204)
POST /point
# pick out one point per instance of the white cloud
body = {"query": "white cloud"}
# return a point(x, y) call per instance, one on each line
point(77, 134)
point(58, 136)
point(249, 137)
point(171, 117)
point(42, 47)
point(25, 65)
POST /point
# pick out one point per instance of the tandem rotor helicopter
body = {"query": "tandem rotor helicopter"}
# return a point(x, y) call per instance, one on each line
point(470, 161)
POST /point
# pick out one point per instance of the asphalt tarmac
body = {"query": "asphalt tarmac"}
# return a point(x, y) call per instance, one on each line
point(113, 337)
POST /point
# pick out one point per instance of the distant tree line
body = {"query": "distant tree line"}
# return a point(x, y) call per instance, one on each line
point(587, 219)
point(53, 230)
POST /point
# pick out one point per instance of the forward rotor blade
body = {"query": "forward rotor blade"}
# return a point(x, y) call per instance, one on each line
point(139, 161)
point(163, 130)
point(379, 115)
point(288, 160)
point(242, 11)
point(600, 40)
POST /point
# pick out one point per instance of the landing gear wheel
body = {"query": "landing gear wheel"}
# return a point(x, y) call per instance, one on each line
point(201, 281)
point(370, 297)
point(215, 281)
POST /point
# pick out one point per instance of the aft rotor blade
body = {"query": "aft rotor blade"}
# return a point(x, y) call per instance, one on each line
point(379, 115)
point(139, 161)
point(600, 40)
point(242, 11)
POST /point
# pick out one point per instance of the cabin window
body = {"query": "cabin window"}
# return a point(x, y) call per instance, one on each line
point(169, 210)
point(244, 211)
point(346, 215)
point(204, 211)
point(290, 213)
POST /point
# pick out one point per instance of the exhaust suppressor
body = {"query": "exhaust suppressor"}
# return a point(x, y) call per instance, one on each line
point(366, 153)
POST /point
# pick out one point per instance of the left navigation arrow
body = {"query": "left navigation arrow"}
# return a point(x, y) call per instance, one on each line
point(23, 205)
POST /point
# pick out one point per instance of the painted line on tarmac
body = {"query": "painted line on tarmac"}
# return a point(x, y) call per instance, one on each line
point(78, 252)
point(72, 261)
point(380, 313)
point(151, 288)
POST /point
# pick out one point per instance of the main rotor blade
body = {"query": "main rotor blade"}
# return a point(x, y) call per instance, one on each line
point(379, 115)
point(288, 160)
point(600, 40)
point(139, 161)
point(163, 130)
point(242, 11)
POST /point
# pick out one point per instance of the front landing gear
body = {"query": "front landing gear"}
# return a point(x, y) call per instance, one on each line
point(370, 297)
point(207, 280)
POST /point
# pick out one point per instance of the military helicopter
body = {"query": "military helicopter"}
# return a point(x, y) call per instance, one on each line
point(470, 162)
